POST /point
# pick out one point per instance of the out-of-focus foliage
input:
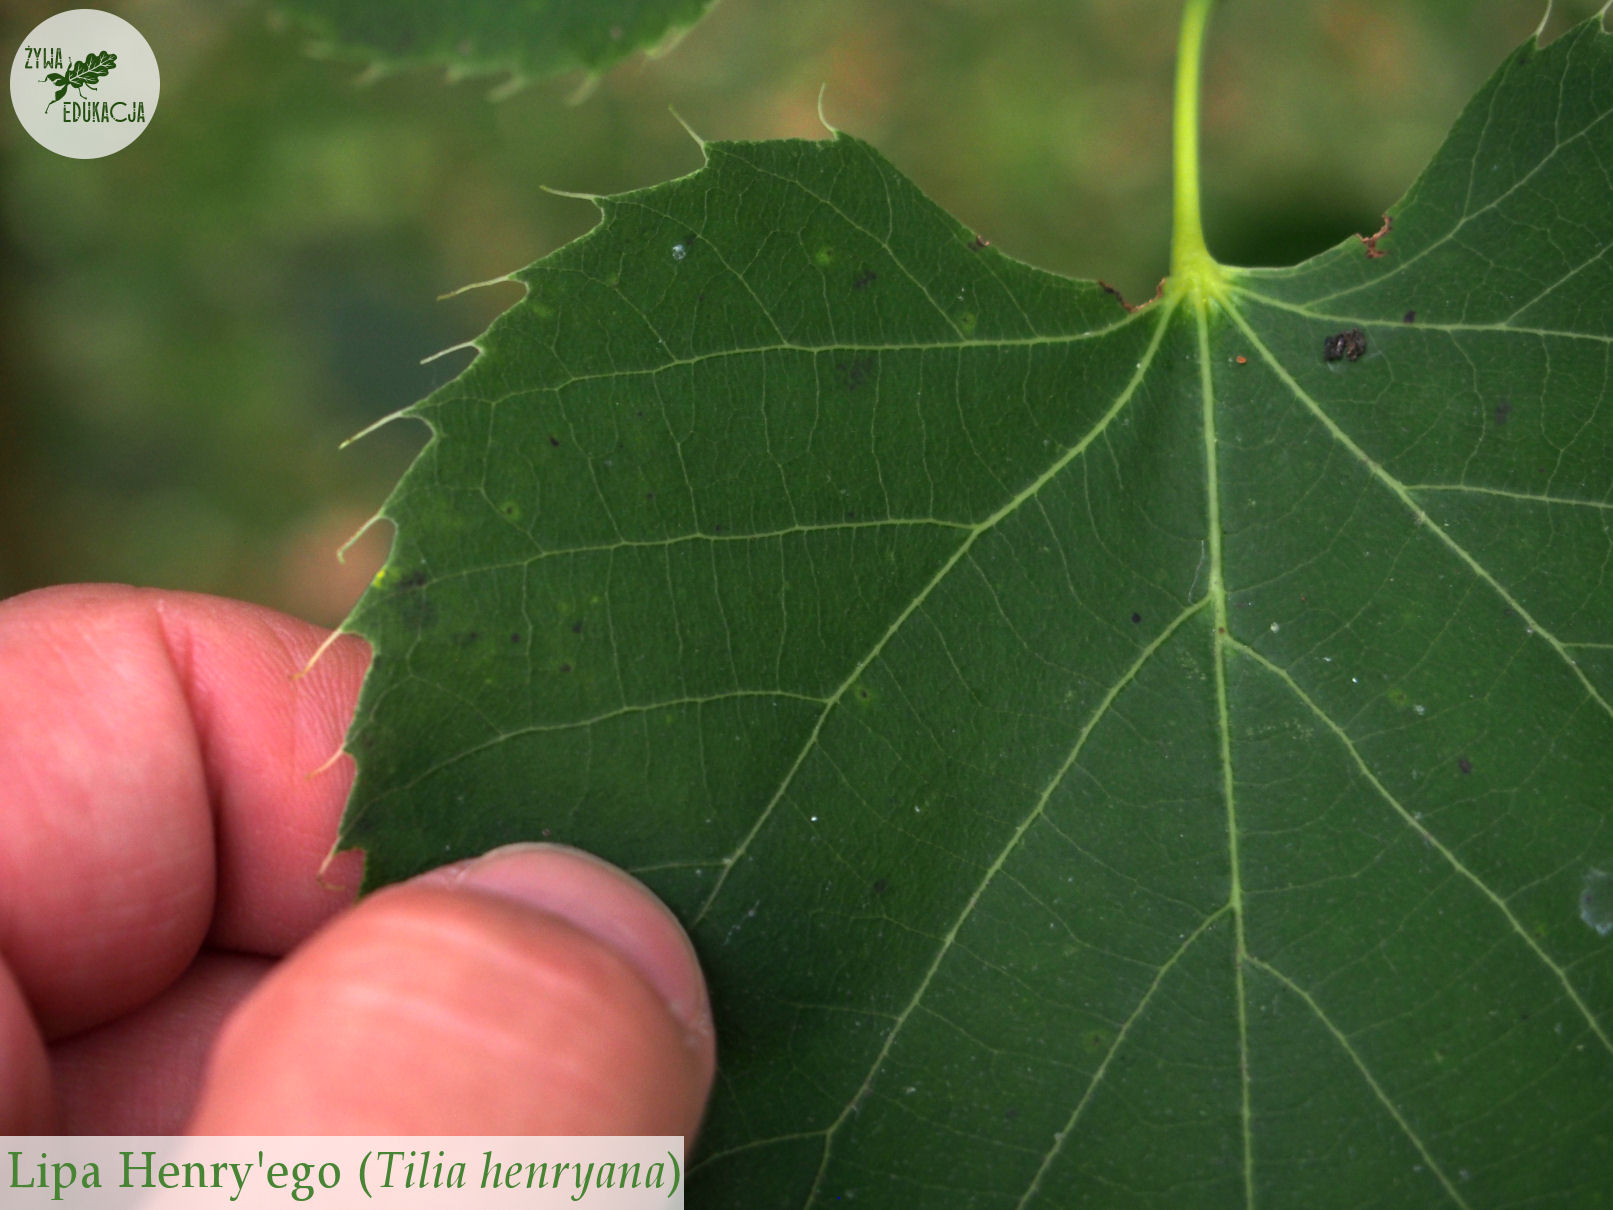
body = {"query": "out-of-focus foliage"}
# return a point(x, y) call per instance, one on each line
point(194, 324)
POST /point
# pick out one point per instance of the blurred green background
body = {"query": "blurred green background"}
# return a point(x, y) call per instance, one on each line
point(193, 325)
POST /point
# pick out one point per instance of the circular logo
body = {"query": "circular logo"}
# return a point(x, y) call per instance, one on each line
point(84, 83)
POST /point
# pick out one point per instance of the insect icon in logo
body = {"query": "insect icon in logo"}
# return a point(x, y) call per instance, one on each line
point(82, 74)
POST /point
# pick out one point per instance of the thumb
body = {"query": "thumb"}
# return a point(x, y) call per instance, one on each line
point(535, 990)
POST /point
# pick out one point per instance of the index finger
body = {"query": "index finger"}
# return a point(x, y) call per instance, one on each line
point(155, 759)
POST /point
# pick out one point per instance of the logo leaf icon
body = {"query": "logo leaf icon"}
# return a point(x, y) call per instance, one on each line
point(83, 74)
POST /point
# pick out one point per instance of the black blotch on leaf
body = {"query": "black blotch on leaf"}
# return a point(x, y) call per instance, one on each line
point(553, 440)
point(576, 628)
point(565, 667)
point(465, 638)
point(415, 579)
point(1010, 1114)
point(1345, 345)
point(515, 638)
point(880, 886)
point(864, 279)
point(1465, 765)
point(852, 374)
point(1135, 618)
point(1410, 317)
point(1502, 411)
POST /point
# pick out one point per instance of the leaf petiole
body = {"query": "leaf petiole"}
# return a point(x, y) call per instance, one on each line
point(1193, 269)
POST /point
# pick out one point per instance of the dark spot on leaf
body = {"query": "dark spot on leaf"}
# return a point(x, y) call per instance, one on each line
point(565, 667)
point(1465, 765)
point(864, 279)
point(1135, 618)
point(576, 628)
point(649, 495)
point(717, 529)
point(1410, 317)
point(515, 638)
point(863, 693)
point(1502, 411)
point(880, 886)
point(852, 374)
point(1010, 1114)
point(415, 579)
point(553, 440)
point(1351, 345)
point(466, 637)
point(851, 516)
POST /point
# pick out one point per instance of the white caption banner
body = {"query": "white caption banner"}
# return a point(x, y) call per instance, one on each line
point(336, 1172)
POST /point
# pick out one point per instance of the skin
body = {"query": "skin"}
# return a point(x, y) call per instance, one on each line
point(177, 954)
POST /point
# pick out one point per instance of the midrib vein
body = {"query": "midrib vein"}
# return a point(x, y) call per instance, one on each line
point(1218, 603)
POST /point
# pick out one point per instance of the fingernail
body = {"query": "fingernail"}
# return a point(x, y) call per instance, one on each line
point(602, 901)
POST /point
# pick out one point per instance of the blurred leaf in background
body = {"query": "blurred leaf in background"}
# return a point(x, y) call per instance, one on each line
point(192, 326)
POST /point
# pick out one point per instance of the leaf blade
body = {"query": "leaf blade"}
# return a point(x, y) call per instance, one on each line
point(1120, 743)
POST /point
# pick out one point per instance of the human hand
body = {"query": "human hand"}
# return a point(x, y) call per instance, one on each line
point(173, 958)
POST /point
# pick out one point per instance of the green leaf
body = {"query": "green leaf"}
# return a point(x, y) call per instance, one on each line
point(1104, 758)
point(529, 41)
point(81, 74)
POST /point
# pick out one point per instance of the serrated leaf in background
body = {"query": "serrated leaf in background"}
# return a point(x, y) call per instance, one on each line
point(528, 40)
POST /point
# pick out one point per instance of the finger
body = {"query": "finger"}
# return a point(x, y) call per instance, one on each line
point(25, 1096)
point(141, 1073)
point(537, 991)
point(156, 750)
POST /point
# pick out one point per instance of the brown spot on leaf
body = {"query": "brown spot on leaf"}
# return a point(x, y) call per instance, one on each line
point(1159, 292)
point(1371, 241)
